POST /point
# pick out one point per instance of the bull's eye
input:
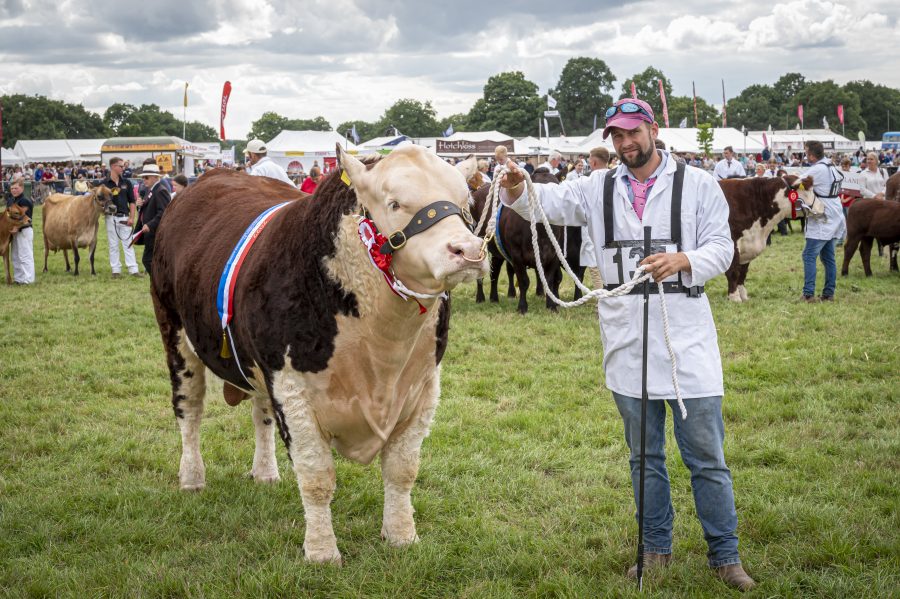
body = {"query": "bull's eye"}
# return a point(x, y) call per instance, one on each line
point(394, 205)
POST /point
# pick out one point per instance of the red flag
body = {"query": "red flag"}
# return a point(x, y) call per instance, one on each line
point(662, 96)
point(633, 92)
point(724, 113)
point(800, 113)
point(1, 124)
point(226, 93)
point(694, 87)
point(841, 113)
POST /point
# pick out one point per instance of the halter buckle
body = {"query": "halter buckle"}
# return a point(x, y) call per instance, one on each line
point(397, 246)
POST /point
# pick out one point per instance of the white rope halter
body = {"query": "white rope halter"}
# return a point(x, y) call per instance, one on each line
point(600, 294)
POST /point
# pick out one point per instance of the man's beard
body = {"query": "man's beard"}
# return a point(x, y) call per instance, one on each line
point(641, 159)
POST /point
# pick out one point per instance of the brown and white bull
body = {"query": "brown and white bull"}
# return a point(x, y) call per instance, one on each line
point(71, 222)
point(333, 356)
point(755, 206)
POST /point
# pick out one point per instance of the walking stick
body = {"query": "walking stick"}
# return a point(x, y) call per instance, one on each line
point(644, 399)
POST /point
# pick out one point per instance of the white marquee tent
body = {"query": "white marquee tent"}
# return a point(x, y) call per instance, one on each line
point(8, 157)
point(795, 139)
point(290, 149)
point(59, 150)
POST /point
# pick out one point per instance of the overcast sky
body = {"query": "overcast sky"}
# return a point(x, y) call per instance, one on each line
point(351, 59)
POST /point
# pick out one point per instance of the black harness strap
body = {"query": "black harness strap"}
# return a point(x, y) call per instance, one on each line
point(675, 231)
point(421, 221)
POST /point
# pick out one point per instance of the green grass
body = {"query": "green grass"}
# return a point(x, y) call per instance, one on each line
point(523, 489)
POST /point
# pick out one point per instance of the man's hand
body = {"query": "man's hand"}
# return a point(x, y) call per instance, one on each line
point(145, 229)
point(879, 195)
point(512, 179)
point(662, 266)
point(129, 221)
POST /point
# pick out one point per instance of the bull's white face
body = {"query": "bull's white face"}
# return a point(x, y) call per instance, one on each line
point(806, 195)
point(395, 189)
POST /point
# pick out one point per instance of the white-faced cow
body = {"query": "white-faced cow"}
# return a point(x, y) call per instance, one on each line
point(755, 207)
point(71, 222)
point(305, 324)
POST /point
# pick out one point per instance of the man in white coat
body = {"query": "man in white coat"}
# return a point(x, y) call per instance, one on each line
point(822, 231)
point(729, 167)
point(263, 166)
point(693, 245)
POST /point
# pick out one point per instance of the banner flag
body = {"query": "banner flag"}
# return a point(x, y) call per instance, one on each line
point(665, 107)
point(724, 104)
point(185, 93)
point(825, 122)
point(595, 122)
point(449, 131)
point(683, 123)
point(694, 87)
point(551, 101)
point(226, 93)
point(800, 113)
point(354, 134)
point(841, 113)
point(633, 91)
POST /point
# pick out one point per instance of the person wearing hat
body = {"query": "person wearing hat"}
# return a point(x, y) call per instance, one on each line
point(691, 246)
point(263, 166)
point(155, 202)
point(118, 225)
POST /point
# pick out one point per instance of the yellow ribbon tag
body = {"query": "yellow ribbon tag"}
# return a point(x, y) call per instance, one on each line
point(224, 353)
point(345, 177)
point(115, 191)
point(801, 187)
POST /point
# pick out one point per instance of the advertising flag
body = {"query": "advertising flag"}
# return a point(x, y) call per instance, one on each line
point(841, 113)
point(683, 123)
point(449, 131)
point(551, 101)
point(633, 91)
point(800, 113)
point(724, 104)
point(185, 93)
point(354, 134)
point(824, 123)
point(226, 93)
point(694, 88)
point(665, 107)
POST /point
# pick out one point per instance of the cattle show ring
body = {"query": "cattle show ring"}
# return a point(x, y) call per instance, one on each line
point(444, 443)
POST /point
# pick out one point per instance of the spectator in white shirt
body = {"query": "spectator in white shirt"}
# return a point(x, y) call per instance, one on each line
point(729, 167)
point(262, 165)
point(873, 179)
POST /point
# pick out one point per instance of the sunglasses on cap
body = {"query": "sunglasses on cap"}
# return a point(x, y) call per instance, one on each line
point(627, 108)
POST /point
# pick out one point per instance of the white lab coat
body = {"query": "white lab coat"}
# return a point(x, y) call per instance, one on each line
point(831, 224)
point(266, 167)
point(724, 170)
point(706, 240)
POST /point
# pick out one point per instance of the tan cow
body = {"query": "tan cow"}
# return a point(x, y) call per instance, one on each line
point(72, 222)
point(13, 218)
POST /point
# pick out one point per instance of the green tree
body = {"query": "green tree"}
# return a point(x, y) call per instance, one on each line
point(788, 86)
point(583, 92)
point(646, 84)
point(459, 121)
point(876, 102)
point(756, 107)
point(365, 130)
point(705, 138)
point(409, 117)
point(271, 124)
point(197, 131)
point(116, 115)
point(38, 117)
point(682, 107)
point(821, 98)
point(510, 104)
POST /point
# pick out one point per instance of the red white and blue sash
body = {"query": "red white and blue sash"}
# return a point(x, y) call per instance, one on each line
point(225, 296)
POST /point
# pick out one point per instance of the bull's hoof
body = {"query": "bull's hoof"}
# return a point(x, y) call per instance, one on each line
point(325, 555)
point(265, 478)
point(743, 294)
point(735, 297)
point(195, 486)
point(400, 539)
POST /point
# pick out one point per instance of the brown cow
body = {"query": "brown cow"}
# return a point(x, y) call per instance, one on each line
point(755, 206)
point(868, 220)
point(71, 222)
point(326, 348)
point(13, 218)
point(512, 244)
point(892, 188)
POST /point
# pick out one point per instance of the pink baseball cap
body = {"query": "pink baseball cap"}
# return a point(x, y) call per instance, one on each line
point(627, 113)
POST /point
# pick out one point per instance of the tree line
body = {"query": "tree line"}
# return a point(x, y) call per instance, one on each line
point(510, 103)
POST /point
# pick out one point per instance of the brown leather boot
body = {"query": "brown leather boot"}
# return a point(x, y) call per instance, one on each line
point(651, 561)
point(734, 576)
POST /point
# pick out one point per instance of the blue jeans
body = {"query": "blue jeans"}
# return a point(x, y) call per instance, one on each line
point(700, 440)
point(816, 248)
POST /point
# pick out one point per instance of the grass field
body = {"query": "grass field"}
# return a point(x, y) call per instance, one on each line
point(523, 489)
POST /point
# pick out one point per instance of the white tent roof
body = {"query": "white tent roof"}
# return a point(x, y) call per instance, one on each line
point(308, 143)
point(685, 140)
point(86, 149)
point(7, 156)
point(781, 140)
point(44, 150)
point(594, 140)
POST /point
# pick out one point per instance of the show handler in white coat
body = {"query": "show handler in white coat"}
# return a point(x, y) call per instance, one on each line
point(639, 193)
point(822, 231)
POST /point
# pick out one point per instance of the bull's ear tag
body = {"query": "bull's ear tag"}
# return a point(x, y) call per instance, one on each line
point(801, 187)
point(345, 177)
